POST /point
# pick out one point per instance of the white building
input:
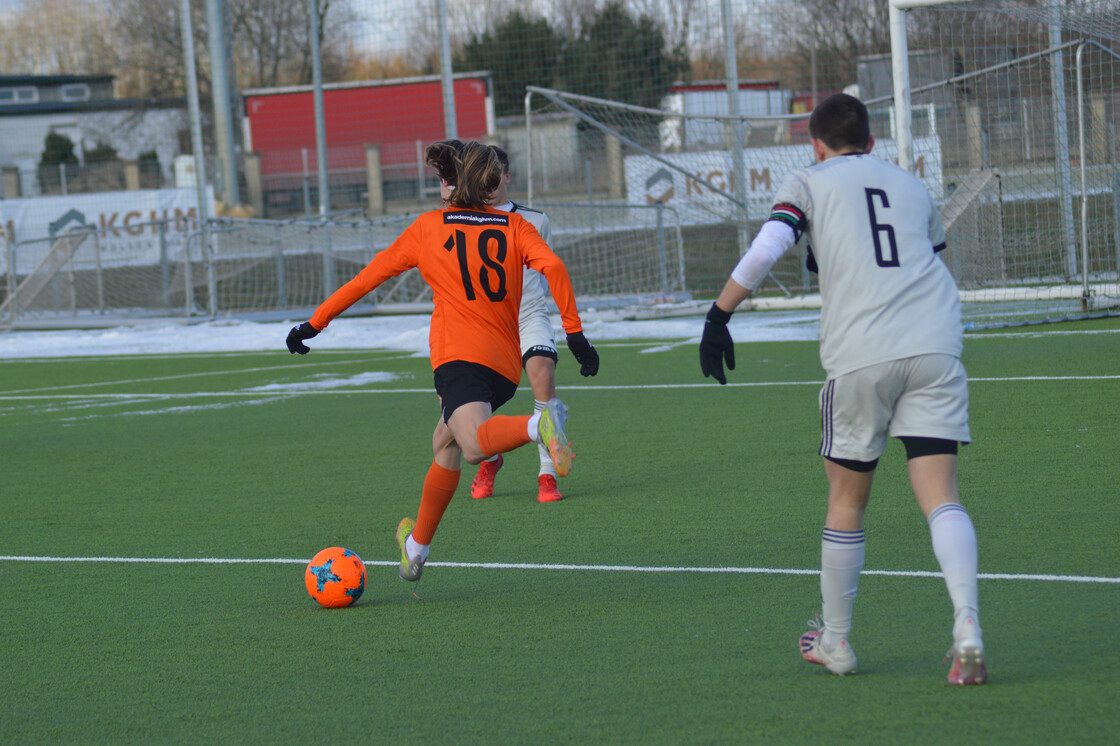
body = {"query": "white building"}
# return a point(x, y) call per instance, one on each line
point(83, 108)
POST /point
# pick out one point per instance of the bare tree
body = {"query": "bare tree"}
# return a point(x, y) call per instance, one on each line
point(272, 46)
point(49, 37)
point(418, 27)
point(151, 45)
point(270, 40)
point(836, 32)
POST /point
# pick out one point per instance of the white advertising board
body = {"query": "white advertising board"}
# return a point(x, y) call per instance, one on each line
point(649, 181)
point(126, 225)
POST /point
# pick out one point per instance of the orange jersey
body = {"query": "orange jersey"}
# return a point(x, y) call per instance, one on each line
point(474, 262)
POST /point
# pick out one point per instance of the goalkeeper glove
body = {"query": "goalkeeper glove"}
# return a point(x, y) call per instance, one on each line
point(584, 353)
point(716, 345)
point(297, 335)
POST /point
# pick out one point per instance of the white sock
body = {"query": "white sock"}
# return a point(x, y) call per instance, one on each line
point(493, 458)
point(841, 562)
point(416, 549)
point(954, 545)
point(542, 450)
point(534, 427)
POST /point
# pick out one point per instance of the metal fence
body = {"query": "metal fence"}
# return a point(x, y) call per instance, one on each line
point(248, 267)
point(1012, 123)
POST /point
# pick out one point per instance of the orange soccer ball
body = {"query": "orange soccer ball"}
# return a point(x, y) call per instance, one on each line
point(335, 577)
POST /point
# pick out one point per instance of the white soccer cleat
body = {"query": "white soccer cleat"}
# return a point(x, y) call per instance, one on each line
point(969, 666)
point(841, 660)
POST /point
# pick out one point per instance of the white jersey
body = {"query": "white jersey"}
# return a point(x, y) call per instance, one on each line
point(534, 295)
point(874, 233)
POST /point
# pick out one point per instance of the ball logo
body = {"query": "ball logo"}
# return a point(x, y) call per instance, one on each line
point(659, 187)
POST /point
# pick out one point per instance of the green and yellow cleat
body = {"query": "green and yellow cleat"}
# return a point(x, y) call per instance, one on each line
point(551, 436)
point(411, 568)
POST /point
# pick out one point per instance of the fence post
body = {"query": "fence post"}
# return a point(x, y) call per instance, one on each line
point(165, 270)
point(10, 256)
point(13, 262)
point(132, 175)
point(281, 287)
point(329, 283)
point(1116, 219)
point(254, 183)
point(188, 280)
point(590, 195)
point(974, 135)
point(614, 168)
point(1114, 150)
point(1098, 132)
point(306, 184)
point(210, 256)
point(662, 257)
point(100, 275)
point(375, 193)
point(11, 182)
point(1060, 110)
point(71, 248)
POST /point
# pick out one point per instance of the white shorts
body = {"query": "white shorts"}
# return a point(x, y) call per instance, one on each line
point(924, 396)
point(535, 321)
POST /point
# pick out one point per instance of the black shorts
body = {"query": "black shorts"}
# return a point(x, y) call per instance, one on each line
point(539, 351)
point(459, 383)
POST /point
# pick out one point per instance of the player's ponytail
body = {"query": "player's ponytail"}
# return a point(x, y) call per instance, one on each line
point(480, 173)
point(473, 169)
point(443, 156)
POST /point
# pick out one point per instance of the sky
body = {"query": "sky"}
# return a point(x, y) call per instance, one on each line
point(404, 333)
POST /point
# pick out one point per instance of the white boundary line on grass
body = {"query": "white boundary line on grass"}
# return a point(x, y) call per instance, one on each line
point(17, 396)
point(577, 568)
point(237, 371)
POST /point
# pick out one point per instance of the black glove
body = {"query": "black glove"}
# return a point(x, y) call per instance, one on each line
point(584, 353)
point(716, 345)
point(297, 335)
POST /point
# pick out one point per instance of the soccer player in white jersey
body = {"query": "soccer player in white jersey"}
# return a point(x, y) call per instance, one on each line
point(538, 347)
point(891, 341)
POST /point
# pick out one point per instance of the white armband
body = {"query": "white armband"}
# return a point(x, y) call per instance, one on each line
point(774, 239)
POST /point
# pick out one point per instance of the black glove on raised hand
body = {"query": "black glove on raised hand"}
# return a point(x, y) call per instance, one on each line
point(716, 345)
point(297, 335)
point(584, 353)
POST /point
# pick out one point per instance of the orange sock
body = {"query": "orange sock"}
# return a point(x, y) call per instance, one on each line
point(502, 433)
point(439, 487)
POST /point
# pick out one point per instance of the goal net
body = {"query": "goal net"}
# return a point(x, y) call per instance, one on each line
point(1013, 110)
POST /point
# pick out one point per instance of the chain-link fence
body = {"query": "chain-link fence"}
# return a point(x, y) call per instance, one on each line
point(618, 117)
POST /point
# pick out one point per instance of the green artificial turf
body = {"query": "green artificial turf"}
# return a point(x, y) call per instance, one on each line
point(221, 457)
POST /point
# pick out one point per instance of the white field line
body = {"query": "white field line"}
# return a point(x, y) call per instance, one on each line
point(193, 375)
point(20, 396)
point(561, 567)
point(980, 334)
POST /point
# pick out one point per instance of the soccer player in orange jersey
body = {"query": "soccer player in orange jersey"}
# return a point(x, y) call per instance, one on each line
point(473, 258)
